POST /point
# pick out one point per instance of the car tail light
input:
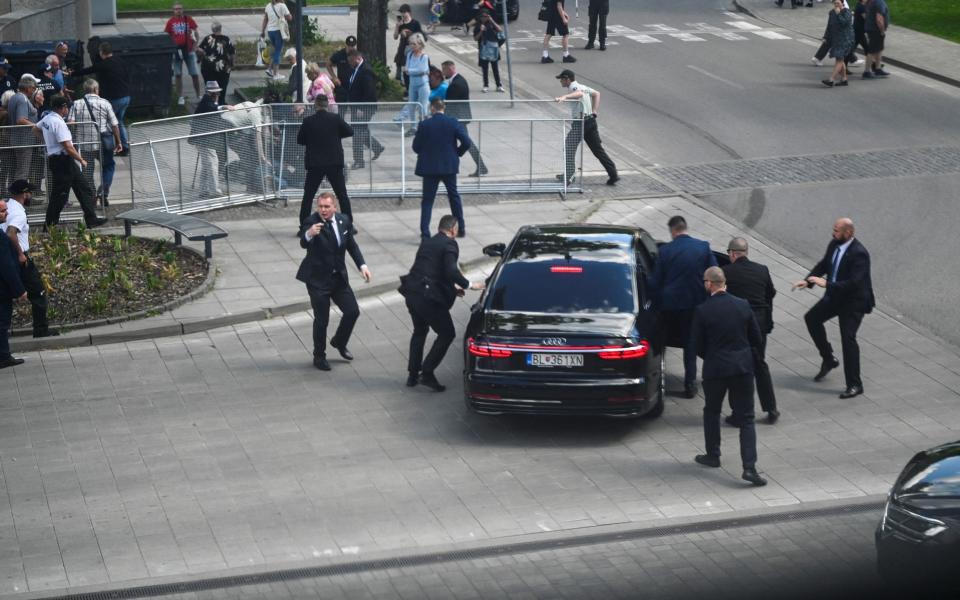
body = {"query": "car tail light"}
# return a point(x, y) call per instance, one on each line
point(486, 351)
point(638, 351)
point(625, 399)
point(486, 396)
point(565, 269)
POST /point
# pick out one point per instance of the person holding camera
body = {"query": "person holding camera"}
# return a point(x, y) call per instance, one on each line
point(487, 33)
point(406, 26)
point(183, 30)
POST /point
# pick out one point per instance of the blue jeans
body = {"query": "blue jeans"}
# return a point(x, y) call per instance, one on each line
point(107, 166)
point(6, 317)
point(120, 106)
point(419, 93)
point(276, 40)
point(430, 185)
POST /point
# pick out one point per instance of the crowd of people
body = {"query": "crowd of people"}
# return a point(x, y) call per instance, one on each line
point(864, 26)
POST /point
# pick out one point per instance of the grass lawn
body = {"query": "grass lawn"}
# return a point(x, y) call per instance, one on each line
point(188, 5)
point(936, 17)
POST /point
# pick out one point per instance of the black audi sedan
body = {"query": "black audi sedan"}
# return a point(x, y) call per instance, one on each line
point(565, 326)
point(918, 539)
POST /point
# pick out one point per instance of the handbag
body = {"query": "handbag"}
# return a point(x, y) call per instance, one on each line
point(489, 51)
point(544, 14)
point(284, 26)
point(107, 143)
point(501, 38)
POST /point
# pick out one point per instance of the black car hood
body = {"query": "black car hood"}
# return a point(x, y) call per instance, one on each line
point(515, 323)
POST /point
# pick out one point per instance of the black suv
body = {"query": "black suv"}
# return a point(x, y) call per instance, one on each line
point(566, 326)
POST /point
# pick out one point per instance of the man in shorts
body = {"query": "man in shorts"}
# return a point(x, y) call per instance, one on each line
point(557, 24)
point(875, 23)
point(182, 29)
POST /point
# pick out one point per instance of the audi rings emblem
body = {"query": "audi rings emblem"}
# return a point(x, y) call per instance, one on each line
point(554, 341)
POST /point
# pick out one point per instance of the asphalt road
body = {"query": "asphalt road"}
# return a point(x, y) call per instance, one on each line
point(689, 83)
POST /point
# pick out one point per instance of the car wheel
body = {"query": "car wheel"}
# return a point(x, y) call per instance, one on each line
point(657, 409)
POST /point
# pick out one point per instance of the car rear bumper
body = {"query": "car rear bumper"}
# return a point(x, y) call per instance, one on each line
point(613, 397)
point(902, 559)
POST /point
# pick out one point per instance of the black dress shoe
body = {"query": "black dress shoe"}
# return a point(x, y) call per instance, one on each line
point(96, 222)
point(321, 363)
point(603, 47)
point(773, 416)
point(412, 379)
point(431, 382)
point(690, 391)
point(753, 477)
point(732, 422)
point(613, 180)
point(10, 362)
point(850, 392)
point(46, 333)
point(376, 155)
point(346, 354)
point(357, 165)
point(462, 232)
point(589, 46)
point(825, 367)
point(707, 460)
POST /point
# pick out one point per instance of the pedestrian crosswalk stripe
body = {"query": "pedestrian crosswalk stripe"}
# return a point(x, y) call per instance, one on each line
point(743, 25)
point(733, 37)
point(686, 37)
point(643, 38)
point(771, 35)
point(661, 27)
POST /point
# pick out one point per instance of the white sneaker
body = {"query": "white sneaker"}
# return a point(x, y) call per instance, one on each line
point(181, 101)
point(485, 89)
point(816, 62)
point(858, 63)
point(500, 89)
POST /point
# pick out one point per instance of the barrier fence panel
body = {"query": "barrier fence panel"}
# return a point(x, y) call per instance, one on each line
point(23, 156)
point(200, 162)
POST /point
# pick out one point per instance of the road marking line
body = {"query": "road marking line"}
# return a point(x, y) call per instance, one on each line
point(733, 37)
point(808, 42)
point(687, 37)
point(733, 15)
point(660, 27)
point(643, 38)
point(771, 35)
point(743, 25)
point(712, 76)
point(703, 27)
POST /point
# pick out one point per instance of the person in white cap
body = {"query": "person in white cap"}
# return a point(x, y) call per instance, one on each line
point(207, 145)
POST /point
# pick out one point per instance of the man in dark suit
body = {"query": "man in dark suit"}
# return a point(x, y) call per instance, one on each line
point(844, 271)
point(751, 281)
point(677, 283)
point(439, 144)
point(327, 235)
point(725, 333)
point(321, 133)
point(430, 290)
point(11, 289)
point(598, 11)
point(459, 91)
point(362, 87)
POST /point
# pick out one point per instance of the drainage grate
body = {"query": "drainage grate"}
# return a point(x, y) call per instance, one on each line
point(417, 560)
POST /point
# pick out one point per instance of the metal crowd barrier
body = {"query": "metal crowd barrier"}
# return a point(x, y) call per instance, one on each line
point(200, 162)
point(23, 156)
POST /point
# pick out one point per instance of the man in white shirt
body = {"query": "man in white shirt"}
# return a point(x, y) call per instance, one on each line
point(65, 165)
point(18, 231)
point(584, 126)
point(105, 133)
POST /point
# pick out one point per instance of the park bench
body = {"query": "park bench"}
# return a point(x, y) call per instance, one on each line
point(182, 225)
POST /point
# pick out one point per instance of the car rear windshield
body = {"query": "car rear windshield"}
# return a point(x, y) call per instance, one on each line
point(564, 286)
point(936, 474)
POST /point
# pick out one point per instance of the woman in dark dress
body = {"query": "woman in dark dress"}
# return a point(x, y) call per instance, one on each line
point(840, 28)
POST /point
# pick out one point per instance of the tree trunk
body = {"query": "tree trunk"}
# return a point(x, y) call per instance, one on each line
point(372, 28)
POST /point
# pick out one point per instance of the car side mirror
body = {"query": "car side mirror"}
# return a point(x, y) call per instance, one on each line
point(495, 250)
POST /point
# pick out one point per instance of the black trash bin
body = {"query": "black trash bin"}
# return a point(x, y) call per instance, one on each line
point(149, 61)
point(28, 57)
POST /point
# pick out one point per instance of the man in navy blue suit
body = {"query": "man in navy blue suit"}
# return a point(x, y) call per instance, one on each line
point(439, 144)
point(677, 281)
point(11, 288)
point(725, 333)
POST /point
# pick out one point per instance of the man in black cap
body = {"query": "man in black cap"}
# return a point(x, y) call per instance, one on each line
point(18, 232)
point(584, 126)
point(338, 60)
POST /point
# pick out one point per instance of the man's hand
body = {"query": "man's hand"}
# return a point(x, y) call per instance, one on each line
point(478, 285)
point(799, 285)
point(22, 297)
point(367, 275)
point(315, 229)
point(817, 281)
point(560, 99)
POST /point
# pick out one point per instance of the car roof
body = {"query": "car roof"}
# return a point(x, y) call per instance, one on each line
point(575, 241)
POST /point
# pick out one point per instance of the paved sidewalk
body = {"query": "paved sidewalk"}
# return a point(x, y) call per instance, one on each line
point(226, 450)
point(906, 48)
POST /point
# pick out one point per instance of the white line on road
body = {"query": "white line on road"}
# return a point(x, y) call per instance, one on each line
point(743, 25)
point(712, 76)
point(733, 37)
point(643, 38)
point(686, 37)
point(660, 27)
point(808, 42)
point(771, 35)
point(733, 15)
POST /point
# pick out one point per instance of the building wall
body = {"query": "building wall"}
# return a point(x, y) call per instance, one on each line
point(24, 20)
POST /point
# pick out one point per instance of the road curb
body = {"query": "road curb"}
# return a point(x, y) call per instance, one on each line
point(888, 59)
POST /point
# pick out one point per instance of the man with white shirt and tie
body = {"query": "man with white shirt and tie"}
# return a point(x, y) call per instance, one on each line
point(327, 236)
point(844, 272)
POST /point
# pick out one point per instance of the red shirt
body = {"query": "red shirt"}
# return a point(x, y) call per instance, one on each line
point(179, 28)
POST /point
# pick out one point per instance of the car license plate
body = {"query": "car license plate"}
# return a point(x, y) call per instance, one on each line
point(555, 360)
